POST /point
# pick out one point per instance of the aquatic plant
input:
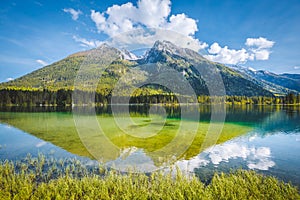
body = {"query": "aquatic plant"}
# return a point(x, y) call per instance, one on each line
point(41, 178)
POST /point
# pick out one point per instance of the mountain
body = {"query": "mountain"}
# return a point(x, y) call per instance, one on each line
point(159, 61)
point(61, 74)
point(127, 55)
point(185, 61)
point(277, 83)
point(283, 80)
point(292, 76)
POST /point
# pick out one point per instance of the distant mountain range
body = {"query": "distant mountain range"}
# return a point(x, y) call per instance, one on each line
point(238, 81)
point(277, 83)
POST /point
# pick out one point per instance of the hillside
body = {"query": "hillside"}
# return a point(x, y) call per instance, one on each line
point(290, 81)
point(59, 75)
point(281, 84)
point(161, 57)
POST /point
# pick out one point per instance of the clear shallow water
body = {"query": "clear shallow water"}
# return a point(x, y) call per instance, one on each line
point(266, 139)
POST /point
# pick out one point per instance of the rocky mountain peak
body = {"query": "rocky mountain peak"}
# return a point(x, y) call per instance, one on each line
point(162, 49)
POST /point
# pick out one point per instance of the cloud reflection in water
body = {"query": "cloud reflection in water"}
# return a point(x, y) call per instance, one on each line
point(256, 157)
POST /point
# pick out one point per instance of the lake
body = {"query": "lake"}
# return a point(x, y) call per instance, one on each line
point(262, 138)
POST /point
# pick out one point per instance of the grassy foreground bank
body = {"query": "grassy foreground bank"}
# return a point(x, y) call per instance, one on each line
point(49, 179)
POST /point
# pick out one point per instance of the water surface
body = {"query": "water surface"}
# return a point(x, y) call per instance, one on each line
point(263, 138)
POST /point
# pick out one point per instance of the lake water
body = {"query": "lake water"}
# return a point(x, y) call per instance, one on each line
point(262, 138)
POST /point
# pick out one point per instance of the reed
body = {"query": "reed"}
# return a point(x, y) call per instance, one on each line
point(40, 178)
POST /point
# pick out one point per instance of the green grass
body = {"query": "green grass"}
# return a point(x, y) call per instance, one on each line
point(39, 178)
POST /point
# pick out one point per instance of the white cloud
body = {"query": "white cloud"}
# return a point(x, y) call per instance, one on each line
point(75, 13)
point(182, 24)
point(260, 47)
point(87, 43)
point(40, 144)
point(227, 151)
point(9, 79)
point(215, 48)
point(256, 158)
point(296, 67)
point(193, 163)
point(261, 54)
point(42, 62)
point(125, 24)
point(226, 55)
point(260, 43)
point(149, 14)
point(153, 13)
point(261, 165)
point(145, 38)
point(257, 49)
point(99, 19)
point(127, 17)
point(262, 157)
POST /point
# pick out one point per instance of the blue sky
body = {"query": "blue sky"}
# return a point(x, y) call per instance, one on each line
point(263, 34)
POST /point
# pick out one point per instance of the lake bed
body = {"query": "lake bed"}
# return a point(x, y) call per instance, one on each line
point(262, 138)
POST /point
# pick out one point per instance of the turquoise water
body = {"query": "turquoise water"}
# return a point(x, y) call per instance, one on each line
point(262, 138)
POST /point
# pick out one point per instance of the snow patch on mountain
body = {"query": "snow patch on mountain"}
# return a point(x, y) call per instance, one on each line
point(127, 55)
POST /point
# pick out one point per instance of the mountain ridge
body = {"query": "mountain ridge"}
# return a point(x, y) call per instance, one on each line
point(61, 74)
point(282, 83)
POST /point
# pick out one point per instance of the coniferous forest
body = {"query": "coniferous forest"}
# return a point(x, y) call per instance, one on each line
point(63, 97)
